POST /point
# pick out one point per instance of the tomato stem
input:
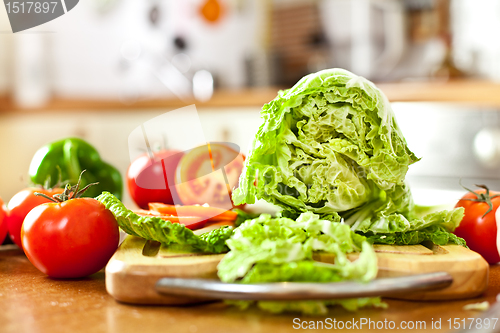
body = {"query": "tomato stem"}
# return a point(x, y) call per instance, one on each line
point(482, 197)
point(39, 194)
point(70, 192)
point(46, 184)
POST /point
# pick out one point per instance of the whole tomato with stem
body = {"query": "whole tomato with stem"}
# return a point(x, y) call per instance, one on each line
point(21, 204)
point(479, 226)
point(3, 221)
point(71, 237)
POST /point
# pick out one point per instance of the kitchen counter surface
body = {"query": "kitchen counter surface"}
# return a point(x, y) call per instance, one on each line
point(32, 302)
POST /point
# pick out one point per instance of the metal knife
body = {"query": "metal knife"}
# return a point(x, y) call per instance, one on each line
point(205, 288)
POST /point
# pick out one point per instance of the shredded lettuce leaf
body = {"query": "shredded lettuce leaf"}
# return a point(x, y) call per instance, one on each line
point(312, 307)
point(436, 234)
point(166, 232)
point(267, 249)
point(331, 145)
point(321, 307)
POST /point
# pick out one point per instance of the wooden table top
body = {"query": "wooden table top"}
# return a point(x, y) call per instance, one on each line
point(32, 302)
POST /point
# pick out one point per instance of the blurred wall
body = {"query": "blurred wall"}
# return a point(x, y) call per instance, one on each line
point(129, 50)
point(120, 49)
point(476, 45)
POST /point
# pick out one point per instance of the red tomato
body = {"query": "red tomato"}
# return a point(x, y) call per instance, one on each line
point(480, 230)
point(3, 221)
point(202, 173)
point(148, 180)
point(20, 205)
point(70, 239)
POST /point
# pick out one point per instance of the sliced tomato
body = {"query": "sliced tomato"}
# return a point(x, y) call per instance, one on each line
point(207, 212)
point(191, 222)
point(207, 175)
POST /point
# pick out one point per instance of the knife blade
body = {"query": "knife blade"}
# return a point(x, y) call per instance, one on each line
point(214, 289)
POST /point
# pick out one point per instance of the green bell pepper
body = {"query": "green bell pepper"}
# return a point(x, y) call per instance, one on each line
point(66, 159)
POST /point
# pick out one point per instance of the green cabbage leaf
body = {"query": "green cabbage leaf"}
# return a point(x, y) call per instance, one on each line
point(165, 232)
point(331, 145)
point(267, 249)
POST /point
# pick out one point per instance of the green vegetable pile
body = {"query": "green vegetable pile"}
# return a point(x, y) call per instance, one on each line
point(267, 249)
point(331, 155)
point(331, 145)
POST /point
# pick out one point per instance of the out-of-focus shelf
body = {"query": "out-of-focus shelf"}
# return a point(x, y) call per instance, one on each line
point(477, 92)
point(255, 97)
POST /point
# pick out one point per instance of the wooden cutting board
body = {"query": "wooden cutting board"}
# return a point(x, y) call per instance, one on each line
point(133, 271)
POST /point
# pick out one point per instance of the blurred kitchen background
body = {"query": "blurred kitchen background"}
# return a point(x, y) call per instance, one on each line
point(108, 66)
